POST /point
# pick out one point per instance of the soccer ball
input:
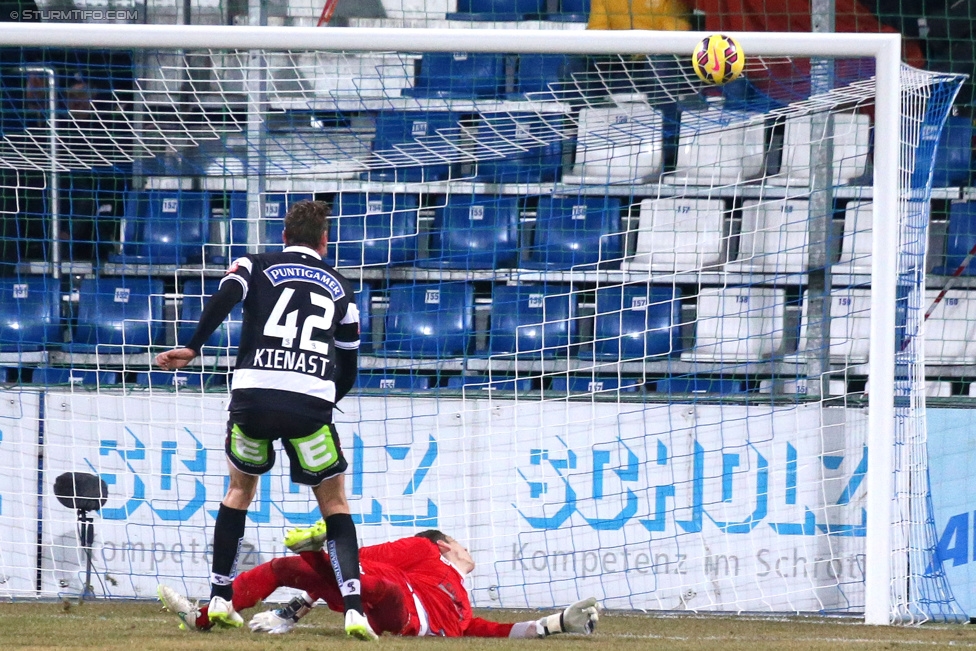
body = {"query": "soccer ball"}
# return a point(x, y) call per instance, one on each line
point(718, 59)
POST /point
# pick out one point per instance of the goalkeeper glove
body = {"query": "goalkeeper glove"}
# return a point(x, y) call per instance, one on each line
point(580, 617)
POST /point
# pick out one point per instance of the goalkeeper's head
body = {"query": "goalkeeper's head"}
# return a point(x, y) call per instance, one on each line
point(452, 551)
point(307, 224)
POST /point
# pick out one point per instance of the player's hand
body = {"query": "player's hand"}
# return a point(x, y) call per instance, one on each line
point(175, 359)
point(581, 617)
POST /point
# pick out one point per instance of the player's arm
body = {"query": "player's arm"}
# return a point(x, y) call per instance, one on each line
point(347, 351)
point(580, 617)
point(232, 290)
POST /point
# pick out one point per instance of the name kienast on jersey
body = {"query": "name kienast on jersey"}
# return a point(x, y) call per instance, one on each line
point(297, 310)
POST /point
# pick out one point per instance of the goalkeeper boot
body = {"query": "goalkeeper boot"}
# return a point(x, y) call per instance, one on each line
point(282, 620)
point(221, 613)
point(189, 613)
point(306, 539)
point(357, 626)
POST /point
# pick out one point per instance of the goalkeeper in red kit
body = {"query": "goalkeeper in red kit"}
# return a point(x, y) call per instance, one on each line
point(412, 587)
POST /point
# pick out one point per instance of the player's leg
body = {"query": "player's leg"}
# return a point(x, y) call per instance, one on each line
point(249, 457)
point(317, 461)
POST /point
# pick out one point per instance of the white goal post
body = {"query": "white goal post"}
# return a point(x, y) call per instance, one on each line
point(882, 591)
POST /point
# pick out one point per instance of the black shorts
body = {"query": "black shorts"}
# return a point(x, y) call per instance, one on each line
point(313, 447)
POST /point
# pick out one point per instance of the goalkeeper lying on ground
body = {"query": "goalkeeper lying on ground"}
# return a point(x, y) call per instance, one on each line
point(412, 586)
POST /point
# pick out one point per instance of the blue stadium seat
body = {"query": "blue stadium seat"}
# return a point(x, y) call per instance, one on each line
point(960, 237)
point(460, 75)
point(498, 10)
point(636, 322)
point(546, 73)
point(275, 208)
point(393, 382)
point(475, 232)
point(954, 155)
point(373, 229)
point(518, 136)
point(437, 130)
point(165, 227)
point(30, 313)
point(699, 385)
point(595, 384)
point(493, 383)
point(118, 314)
point(73, 376)
point(433, 320)
point(532, 320)
point(575, 231)
point(571, 11)
point(181, 380)
point(227, 337)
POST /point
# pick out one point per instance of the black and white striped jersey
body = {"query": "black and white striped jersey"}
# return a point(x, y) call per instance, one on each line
point(297, 311)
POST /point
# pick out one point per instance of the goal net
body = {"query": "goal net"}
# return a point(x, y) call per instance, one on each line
point(623, 334)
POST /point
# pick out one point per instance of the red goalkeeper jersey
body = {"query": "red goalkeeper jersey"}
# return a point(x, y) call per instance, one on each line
point(435, 581)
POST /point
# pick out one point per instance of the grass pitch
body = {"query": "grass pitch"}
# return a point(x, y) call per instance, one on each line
point(143, 626)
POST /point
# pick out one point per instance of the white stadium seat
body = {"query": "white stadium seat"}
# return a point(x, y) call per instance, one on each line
point(852, 137)
point(738, 324)
point(950, 333)
point(618, 145)
point(680, 235)
point(850, 325)
point(855, 248)
point(773, 237)
point(718, 148)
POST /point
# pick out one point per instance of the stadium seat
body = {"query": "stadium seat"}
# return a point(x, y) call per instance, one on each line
point(118, 314)
point(953, 158)
point(622, 144)
point(636, 322)
point(227, 337)
point(595, 384)
point(680, 235)
point(935, 389)
point(546, 76)
point(850, 325)
point(30, 313)
point(232, 218)
point(460, 75)
point(164, 227)
point(851, 143)
point(960, 237)
point(432, 320)
point(275, 208)
point(532, 145)
point(571, 11)
point(475, 232)
point(73, 377)
point(738, 324)
point(532, 320)
point(393, 382)
point(495, 382)
point(572, 232)
point(799, 387)
point(498, 10)
point(950, 333)
point(181, 380)
point(373, 229)
point(856, 245)
point(414, 146)
point(718, 148)
point(681, 385)
point(773, 238)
